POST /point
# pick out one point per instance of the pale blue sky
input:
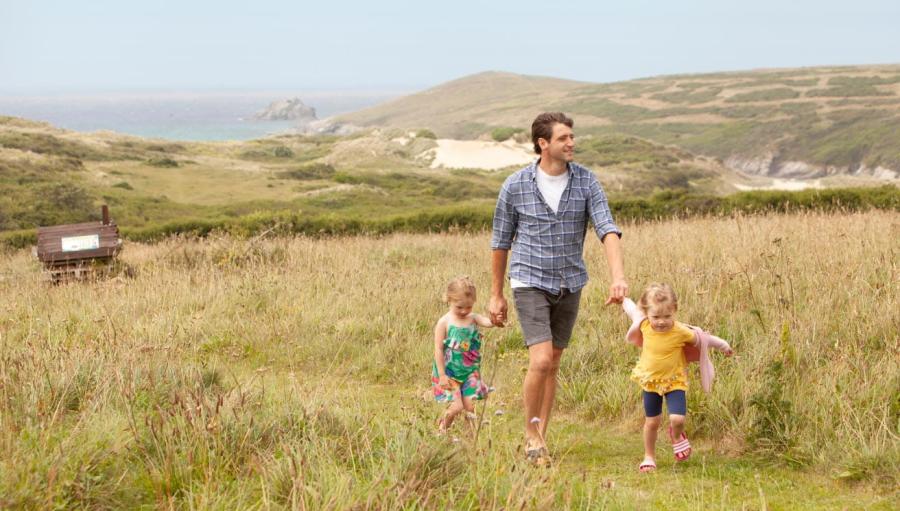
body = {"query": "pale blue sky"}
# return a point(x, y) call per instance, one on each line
point(104, 45)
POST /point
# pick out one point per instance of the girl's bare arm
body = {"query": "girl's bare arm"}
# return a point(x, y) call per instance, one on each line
point(482, 321)
point(440, 333)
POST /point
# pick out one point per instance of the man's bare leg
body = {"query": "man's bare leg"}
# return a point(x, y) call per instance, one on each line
point(540, 361)
point(549, 394)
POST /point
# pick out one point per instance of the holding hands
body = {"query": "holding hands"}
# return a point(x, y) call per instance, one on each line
point(618, 290)
point(498, 309)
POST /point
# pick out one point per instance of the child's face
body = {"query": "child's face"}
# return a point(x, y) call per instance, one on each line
point(461, 308)
point(662, 317)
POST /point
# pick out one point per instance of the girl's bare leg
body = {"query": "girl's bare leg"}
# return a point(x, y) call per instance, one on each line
point(677, 423)
point(651, 427)
point(453, 410)
point(471, 418)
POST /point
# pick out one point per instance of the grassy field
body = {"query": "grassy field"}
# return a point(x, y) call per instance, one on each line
point(289, 374)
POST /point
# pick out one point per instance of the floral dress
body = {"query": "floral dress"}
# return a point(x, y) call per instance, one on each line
point(462, 361)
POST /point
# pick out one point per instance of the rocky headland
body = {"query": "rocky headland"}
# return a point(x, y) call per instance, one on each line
point(292, 109)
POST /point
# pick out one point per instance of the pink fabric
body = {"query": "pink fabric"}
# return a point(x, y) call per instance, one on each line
point(692, 353)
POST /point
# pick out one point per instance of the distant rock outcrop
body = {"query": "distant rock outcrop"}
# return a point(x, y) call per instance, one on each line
point(329, 127)
point(288, 110)
point(770, 165)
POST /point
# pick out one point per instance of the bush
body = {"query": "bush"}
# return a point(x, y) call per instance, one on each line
point(283, 152)
point(164, 162)
point(668, 204)
point(123, 185)
point(18, 239)
point(764, 95)
point(503, 134)
point(50, 145)
point(310, 171)
point(426, 133)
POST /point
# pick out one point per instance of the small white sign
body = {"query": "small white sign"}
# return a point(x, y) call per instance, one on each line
point(76, 243)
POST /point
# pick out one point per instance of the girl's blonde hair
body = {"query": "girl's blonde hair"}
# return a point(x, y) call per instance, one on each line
point(459, 288)
point(658, 294)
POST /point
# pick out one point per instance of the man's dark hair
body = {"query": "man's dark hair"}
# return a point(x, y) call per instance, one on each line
point(542, 127)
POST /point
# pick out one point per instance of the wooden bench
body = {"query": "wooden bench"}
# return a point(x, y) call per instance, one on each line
point(78, 250)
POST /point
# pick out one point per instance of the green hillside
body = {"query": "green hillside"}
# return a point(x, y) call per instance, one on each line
point(50, 176)
point(835, 120)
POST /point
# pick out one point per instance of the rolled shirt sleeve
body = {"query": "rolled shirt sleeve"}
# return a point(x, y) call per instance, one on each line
point(505, 220)
point(598, 210)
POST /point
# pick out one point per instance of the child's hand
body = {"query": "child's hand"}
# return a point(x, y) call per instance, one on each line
point(444, 382)
point(728, 351)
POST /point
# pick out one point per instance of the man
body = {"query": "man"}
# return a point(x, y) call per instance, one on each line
point(541, 215)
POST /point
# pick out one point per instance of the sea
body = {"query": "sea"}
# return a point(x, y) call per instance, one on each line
point(185, 116)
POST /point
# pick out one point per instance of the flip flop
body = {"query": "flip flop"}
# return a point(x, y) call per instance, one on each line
point(537, 456)
point(647, 466)
point(681, 447)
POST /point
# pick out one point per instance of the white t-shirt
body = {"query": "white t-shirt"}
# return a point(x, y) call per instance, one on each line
point(551, 188)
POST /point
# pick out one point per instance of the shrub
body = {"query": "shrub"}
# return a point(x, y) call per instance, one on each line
point(503, 134)
point(764, 95)
point(49, 144)
point(426, 133)
point(310, 171)
point(123, 185)
point(283, 152)
point(164, 162)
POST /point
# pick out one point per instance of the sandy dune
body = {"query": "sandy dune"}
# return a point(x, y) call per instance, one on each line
point(480, 154)
point(783, 184)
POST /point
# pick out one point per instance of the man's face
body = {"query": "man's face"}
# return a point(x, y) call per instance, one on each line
point(561, 145)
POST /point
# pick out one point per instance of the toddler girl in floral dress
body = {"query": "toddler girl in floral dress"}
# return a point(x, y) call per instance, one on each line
point(455, 375)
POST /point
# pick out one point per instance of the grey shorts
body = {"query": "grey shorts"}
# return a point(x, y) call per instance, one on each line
point(545, 316)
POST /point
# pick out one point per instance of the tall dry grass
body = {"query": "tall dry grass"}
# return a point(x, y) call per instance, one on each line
point(288, 372)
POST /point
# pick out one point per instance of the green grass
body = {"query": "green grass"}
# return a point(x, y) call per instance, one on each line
point(288, 372)
point(688, 96)
point(776, 94)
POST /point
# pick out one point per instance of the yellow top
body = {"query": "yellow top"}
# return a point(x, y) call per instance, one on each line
point(662, 366)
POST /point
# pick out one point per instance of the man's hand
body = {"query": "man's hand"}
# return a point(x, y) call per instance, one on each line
point(618, 290)
point(497, 309)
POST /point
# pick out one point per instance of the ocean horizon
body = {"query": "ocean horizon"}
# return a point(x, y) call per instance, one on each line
point(182, 116)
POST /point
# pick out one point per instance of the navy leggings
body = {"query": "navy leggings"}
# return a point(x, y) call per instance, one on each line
point(675, 402)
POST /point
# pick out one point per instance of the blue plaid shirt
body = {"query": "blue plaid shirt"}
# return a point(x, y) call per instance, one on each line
point(547, 247)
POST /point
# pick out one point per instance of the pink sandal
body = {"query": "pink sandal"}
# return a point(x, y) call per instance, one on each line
point(647, 466)
point(681, 447)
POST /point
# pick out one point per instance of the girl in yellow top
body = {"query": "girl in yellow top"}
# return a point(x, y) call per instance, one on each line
point(662, 370)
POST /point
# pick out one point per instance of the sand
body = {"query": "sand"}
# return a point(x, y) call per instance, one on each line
point(479, 154)
point(792, 185)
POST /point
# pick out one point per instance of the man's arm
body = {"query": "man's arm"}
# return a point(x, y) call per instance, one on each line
point(498, 306)
point(618, 288)
point(504, 231)
point(609, 234)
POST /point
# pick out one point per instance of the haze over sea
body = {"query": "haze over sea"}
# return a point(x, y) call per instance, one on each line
point(188, 116)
